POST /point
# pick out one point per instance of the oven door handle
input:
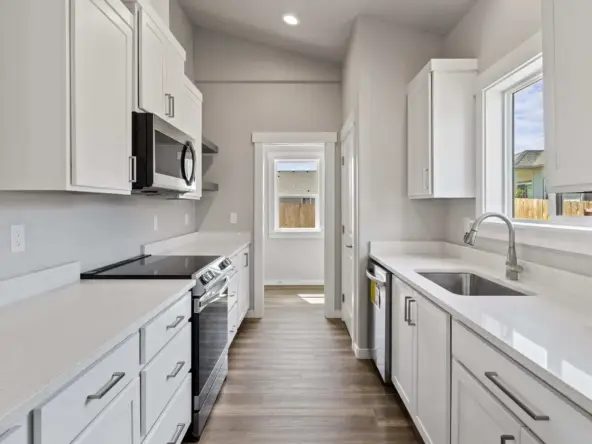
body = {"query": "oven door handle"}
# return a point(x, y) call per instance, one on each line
point(219, 295)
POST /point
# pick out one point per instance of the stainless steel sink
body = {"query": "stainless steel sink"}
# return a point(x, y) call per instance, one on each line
point(469, 284)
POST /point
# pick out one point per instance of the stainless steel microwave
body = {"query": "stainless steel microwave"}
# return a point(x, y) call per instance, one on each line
point(164, 157)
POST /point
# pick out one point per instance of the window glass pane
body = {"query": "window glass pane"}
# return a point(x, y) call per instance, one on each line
point(531, 200)
point(297, 212)
point(297, 177)
point(530, 196)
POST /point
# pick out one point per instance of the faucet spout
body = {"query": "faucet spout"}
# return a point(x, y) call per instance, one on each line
point(513, 269)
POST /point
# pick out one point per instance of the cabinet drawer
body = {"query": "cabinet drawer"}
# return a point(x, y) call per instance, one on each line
point(64, 416)
point(16, 434)
point(549, 415)
point(163, 376)
point(159, 331)
point(174, 421)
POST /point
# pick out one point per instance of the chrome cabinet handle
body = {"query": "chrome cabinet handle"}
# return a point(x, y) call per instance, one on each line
point(246, 260)
point(409, 321)
point(177, 434)
point(425, 178)
point(176, 323)
point(133, 169)
point(8, 433)
point(176, 370)
point(118, 376)
point(406, 315)
point(507, 438)
point(496, 380)
point(167, 105)
point(173, 108)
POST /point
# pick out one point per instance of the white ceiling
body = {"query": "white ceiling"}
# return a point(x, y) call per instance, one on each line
point(325, 25)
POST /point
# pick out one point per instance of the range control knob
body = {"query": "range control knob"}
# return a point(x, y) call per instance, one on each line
point(225, 264)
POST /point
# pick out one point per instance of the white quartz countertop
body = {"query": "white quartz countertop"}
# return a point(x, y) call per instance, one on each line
point(197, 244)
point(46, 340)
point(547, 333)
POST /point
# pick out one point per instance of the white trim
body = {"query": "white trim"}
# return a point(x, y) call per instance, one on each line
point(262, 141)
point(319, 138)
point(295, 283)
point(22, 287)
point(332, 314)
point(361, 353)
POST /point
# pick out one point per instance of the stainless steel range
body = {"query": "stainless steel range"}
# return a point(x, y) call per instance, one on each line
point(209, 321)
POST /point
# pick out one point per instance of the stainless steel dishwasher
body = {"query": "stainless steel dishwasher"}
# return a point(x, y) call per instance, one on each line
point(380, 318)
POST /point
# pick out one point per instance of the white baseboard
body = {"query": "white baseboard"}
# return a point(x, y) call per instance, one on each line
point(361, 353)
point(333, 314)
point(295, 282)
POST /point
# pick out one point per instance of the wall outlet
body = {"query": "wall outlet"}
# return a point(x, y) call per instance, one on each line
point(155, 222)
point(17, 238)
point(233, 218)
point(186, 219)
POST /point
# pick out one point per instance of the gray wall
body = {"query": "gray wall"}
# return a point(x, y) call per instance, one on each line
point(182, 29)
point(382, 60)
point(96, 230)
point(492, 29)
point(248, 88)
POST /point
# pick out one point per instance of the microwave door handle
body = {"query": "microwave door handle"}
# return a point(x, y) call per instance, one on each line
point(192, 178)
point(183, 171)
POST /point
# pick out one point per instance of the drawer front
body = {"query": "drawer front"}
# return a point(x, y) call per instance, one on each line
point(172, 425)
point(163, 376)
point(550, 416)
point(162, 329)
point(64, 416)
point(232, 323)
point(16, 434)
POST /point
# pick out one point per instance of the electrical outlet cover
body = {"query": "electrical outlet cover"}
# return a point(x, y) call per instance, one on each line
point(17, 238)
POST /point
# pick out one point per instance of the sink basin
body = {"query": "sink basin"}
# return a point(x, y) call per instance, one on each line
point(469, 284)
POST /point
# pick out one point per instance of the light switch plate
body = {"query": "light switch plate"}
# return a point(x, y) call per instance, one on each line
point(233, 218)
point(17, 238)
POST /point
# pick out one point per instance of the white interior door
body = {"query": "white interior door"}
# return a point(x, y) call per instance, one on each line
point(348, 248)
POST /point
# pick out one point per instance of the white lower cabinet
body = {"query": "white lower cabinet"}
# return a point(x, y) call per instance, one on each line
point(118, 423)
point(16, 434)
point(172, 425)
point(403, 344)
point(421, 354)
point(477, 416)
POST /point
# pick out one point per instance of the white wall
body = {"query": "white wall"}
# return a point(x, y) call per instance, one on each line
point(162, 9)
point(382, 60)
point(182, 29)
point(492, 29)
point(96, 230)
point(249, 88)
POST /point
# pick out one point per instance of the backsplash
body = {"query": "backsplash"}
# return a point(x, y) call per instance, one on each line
point(92, 229)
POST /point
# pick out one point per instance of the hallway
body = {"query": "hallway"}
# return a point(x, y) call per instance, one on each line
point(293, 379)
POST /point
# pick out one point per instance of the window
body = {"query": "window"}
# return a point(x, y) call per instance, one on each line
point(514, 157)
point(297, 196)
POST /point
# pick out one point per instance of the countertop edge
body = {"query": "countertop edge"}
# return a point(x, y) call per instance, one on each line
point(47, 392)
point(576, 398)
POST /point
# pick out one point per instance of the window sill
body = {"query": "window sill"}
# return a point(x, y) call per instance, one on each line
point(553, 236)
point(312, 234)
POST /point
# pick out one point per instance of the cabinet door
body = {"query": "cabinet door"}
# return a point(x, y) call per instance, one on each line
point(528, 438)
point(101, 76)
point(477, 416)
point(568, 94)
point(403, 344)
point(245, 298)
point(119, 423)
point(433, 372)
point(152, 60)
point(174, 84)
point(419, 138)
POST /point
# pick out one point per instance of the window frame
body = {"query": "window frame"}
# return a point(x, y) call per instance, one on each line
point(298, 154)
point(562, 233)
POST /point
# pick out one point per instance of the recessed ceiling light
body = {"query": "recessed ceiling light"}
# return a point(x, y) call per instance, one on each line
point(291, 19)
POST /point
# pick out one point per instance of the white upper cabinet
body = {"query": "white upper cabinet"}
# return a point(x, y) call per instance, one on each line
point(568, 94)
point(70, 127)
point(152, 58)
point(440, 130)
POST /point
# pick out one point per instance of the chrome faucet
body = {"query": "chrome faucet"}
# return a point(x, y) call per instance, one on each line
point(512, 268)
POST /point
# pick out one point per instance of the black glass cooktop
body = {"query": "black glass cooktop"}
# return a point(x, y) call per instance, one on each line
point(153, 267)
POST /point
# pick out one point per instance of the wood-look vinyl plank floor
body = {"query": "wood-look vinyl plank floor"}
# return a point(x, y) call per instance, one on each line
point(293, 379)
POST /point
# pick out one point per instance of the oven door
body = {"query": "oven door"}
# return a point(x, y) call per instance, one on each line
point(165, 156)
point(211, 335)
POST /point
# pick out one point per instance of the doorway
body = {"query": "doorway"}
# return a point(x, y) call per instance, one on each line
point(294, 242)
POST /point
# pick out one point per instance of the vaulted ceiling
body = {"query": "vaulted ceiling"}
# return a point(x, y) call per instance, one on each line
point(325, 25)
